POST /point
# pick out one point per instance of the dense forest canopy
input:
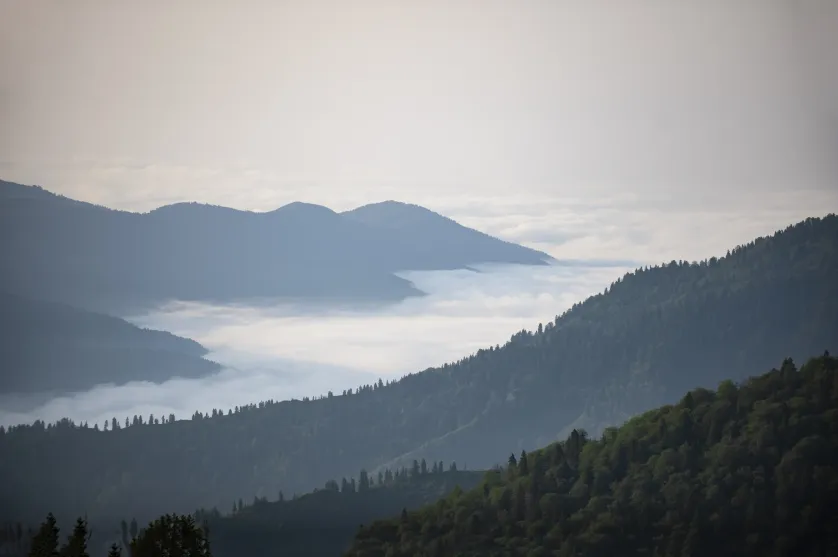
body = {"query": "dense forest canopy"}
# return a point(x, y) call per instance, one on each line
point(746, 470)
point(649, 337)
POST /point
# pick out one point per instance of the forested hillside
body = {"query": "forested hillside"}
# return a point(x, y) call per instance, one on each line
point(651, 336)
point(317, 524)
point(748, 470)
point(323, 523)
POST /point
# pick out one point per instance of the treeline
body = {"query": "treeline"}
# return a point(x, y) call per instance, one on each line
point(652, 335)
point(745, 470)
point(366, 481)
point(114, 425)
point(322, 523)
point(167, 536)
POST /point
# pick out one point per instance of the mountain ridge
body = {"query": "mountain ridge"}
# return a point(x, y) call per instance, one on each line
point(649, 337)
point(744, 469)
point(118, 261)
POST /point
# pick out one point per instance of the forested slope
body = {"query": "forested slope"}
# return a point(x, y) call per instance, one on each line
point(651, 336)
point(748, 470)
point(323, 523)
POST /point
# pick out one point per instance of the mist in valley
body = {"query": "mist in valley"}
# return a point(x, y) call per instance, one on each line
point(282, 351)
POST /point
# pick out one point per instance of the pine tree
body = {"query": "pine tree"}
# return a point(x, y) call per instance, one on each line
point(77, 542)
point(45, 541)
point(523, 465)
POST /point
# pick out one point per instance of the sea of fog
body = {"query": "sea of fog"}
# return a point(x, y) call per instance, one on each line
point(288, 351)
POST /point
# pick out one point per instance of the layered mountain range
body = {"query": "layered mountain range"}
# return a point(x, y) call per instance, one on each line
point(650, 337)
point(59, 249)
point(70, 267)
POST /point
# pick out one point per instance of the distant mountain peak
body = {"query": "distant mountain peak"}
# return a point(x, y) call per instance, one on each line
point(395, 213)
point(194, 207)
point(302, 207)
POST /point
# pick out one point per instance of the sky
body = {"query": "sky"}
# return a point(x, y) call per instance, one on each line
point(626, 132)
point(256, 103)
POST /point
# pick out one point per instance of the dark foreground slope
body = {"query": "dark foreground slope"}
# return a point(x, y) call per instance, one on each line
point(653, 335)
point(323, 523)
point(748, 470)
point(56, 248)
point(745, 470)
point(53, 347)
point(318, 524)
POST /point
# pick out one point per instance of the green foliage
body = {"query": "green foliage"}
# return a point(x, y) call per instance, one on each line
point(171, 536)
point(651, 336)
point(45, 542)
point(748, 470)
point(77, 542)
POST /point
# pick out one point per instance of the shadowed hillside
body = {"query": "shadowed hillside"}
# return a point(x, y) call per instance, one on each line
point(746, 470)
point(322, 523)
point(435, 240)
point(651, 336)
point(63, 250)
point(53, 347)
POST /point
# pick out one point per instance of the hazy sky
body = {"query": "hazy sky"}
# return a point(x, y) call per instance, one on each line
point(254, 103)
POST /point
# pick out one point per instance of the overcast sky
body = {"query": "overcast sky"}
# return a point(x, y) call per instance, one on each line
point(258, 102)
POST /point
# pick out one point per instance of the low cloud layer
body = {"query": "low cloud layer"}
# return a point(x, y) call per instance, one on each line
point(285, 352)
point(291, 351)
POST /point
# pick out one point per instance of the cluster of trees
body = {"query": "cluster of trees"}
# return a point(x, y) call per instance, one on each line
point(114, 425)
point(650, 336)
point(365, 482)
point(323, 522)
point(168, 536)
point(746, 470)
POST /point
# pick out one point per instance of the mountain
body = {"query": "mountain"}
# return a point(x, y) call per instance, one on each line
point(746, 469)
point(437, 241)
point(743, 470)
point(113, 261)
point(651, 336)
point(46, 346)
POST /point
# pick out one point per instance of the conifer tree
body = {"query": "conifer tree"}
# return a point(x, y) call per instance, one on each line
point(45, 541)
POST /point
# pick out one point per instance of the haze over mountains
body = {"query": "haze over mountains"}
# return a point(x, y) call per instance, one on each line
point(60, 254)
point(377, 379)
point(97, 258)
point(46, 346)
point(650, 336)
